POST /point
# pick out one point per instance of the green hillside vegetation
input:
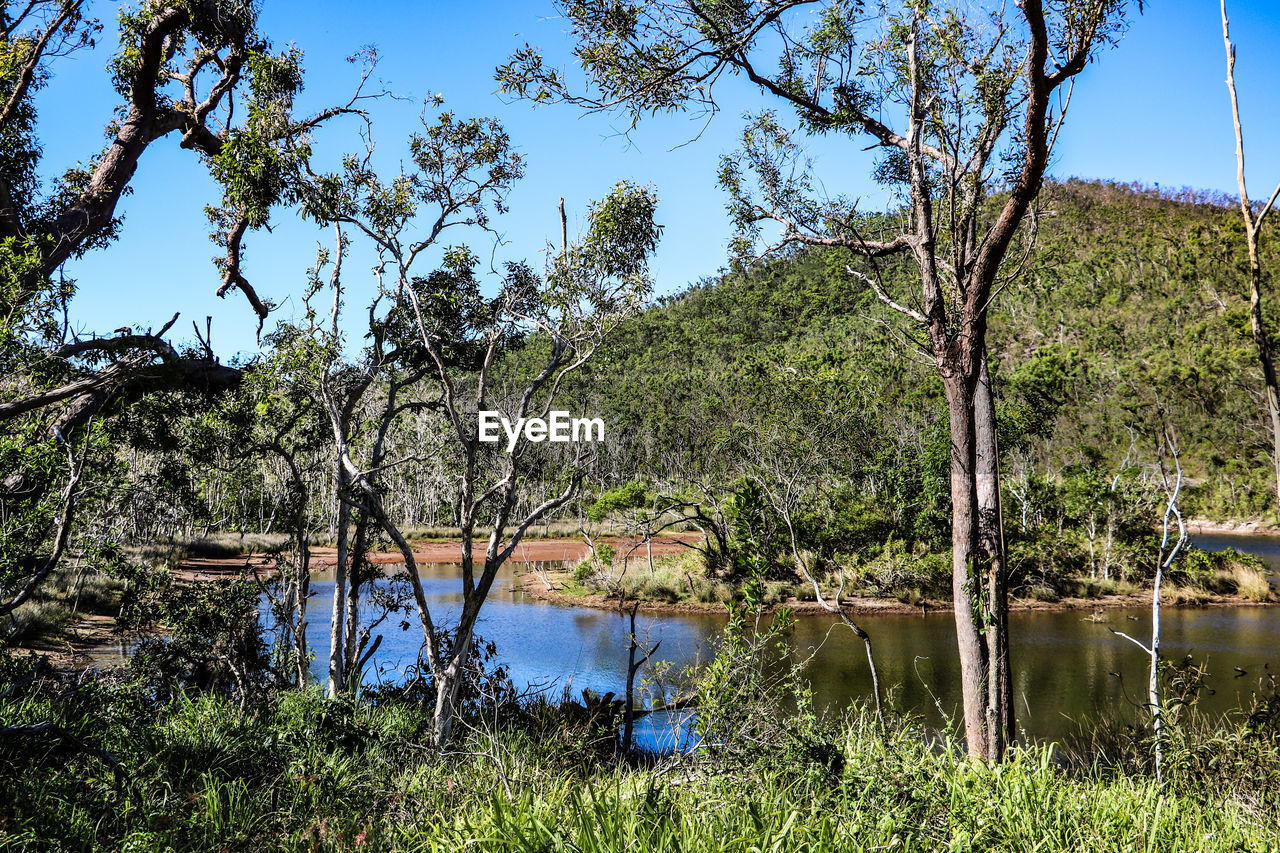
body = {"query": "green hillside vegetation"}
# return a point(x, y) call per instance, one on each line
point(1128, 316)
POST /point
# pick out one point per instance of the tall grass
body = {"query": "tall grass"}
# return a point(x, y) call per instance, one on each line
point(36, 622)
point(306, 773)
point(673, 578)
point(217, 545)
point(66, 594)
point(1251, 583)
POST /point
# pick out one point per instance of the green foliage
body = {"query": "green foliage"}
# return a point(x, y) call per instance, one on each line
point(754, 704)
point(629, 496)
point(112, 768)
point(1091, 353)
point(213, 639)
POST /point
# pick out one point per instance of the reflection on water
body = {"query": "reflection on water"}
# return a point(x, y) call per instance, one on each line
point(1068, 668)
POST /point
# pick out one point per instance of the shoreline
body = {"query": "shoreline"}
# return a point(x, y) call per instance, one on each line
point(83, 639)
point(1243, 527)
point(534, 585)
point(324, 558)
point(90, 634)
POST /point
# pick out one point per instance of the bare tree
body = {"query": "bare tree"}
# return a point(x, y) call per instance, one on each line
point(633, 666)
point(1164, 560)
point(1253, 220)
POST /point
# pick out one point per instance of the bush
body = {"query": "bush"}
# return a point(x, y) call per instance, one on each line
point(898, 571)
point(120, 769)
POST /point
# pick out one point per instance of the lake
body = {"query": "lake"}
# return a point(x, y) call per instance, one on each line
point(1068, 666)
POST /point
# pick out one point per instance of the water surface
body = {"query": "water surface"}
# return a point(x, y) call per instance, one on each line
point(1069, 667)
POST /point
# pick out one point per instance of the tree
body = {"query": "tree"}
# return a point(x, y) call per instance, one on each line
point(508, 352)
point(179, 64)
point(1253, 220)
point(274, 416)
point(1165, 558)
point(972, 91)
point(803, 441)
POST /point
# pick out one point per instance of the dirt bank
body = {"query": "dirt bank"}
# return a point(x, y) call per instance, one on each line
point(1243, 527)
point(528, 551)
point(76, 646)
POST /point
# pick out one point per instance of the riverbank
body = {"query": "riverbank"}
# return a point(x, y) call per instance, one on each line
point(1233, 527)
point(550, 569)
point(80, 644)
point(560, 588)
point(74, 643)
point(544, 550)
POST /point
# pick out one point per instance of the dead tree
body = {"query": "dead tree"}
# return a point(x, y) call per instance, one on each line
point(633, 667)
point(1164, 561)
point(1253, 220)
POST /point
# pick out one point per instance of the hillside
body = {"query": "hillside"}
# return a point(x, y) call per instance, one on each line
point(1130, 311)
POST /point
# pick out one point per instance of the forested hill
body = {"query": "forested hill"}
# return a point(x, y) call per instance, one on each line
point(1130, 312)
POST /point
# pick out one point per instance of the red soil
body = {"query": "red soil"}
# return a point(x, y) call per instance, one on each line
point(528, 551)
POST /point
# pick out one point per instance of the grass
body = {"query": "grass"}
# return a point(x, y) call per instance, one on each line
point(552, 529)
point(37, 622)
point(305, 773)
point(64, 595)
point(1251, 583)
point(217, 545)
point(1101, 587)
point(913, 576)
point(675, 578)
point(91, 592)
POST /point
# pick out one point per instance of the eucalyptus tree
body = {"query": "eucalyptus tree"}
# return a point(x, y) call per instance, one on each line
point(504, 346)
point(959, 101)
point(177, 72)
point(357, 398)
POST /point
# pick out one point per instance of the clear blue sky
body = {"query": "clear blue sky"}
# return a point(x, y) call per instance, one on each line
point(1153, 110)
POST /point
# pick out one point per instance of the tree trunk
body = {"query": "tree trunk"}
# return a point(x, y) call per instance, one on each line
point(966, 559)
point(1153, 675)
point(302, 591)
point(449, 678)
point(1265, 358)
point(991, 541)
point(1252, 227)
point(449, 681)
point(355, 578)
point(337, 660)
